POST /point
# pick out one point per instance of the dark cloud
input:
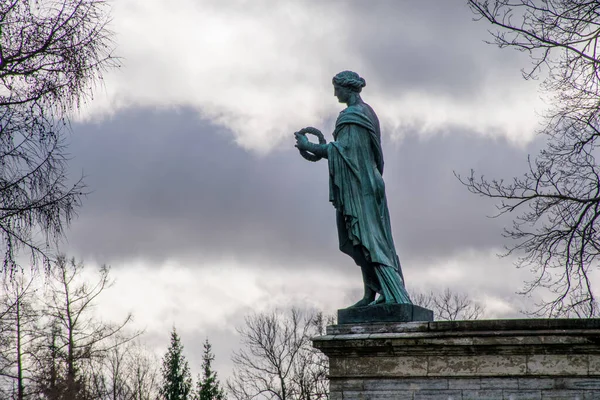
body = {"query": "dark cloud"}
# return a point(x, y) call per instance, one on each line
point(434, 214)
point(432, 48)
point(167, 184)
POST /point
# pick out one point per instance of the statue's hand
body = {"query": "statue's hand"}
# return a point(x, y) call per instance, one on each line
point(301, 141)
point(309, 150)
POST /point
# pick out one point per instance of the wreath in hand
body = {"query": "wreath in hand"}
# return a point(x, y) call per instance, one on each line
point(312, 131)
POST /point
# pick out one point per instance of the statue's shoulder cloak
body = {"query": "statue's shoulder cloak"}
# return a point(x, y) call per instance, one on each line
point(363, 116)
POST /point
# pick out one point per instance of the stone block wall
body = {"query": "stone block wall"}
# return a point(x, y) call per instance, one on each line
point(532, 359)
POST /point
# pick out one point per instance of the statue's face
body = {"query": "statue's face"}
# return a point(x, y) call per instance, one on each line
point(341, 93)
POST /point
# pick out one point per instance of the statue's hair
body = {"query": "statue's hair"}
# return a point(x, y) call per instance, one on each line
point(350, 80)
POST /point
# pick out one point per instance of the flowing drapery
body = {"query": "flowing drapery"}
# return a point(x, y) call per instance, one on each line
point(357, 191)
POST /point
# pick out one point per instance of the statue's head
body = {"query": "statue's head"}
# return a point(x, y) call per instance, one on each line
point(347, 86)
point(349, 80)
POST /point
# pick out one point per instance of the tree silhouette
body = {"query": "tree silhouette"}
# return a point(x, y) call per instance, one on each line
point(176, 378)
point(556, 204)
point(52, 52)
point(208, 386)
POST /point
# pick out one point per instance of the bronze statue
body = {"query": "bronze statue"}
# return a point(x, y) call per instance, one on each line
point(357, 191)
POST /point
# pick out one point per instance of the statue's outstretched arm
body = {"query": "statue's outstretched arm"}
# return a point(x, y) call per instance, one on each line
point(317, 149)
point(308, 150)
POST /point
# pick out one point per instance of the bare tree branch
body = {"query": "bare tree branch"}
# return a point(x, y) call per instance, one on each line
point(449, 305)
point(77, 343)
point(555, 232)
point(52, 54)
point(277, 360)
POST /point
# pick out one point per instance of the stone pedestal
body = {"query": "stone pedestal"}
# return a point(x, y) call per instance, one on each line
point(384, 313)
point(531, 359)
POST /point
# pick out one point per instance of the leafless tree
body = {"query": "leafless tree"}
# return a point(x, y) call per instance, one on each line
point(20, 338)
point(556, 230)
point(144, 377)
point(52, 52)
point(312, 367)
point(53, 346)
point(108, 376)
point(449, 305)
point(277, 360)
point(128, 372)
point(76, 340)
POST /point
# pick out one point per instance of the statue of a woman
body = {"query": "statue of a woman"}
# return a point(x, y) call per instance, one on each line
point(357, 191)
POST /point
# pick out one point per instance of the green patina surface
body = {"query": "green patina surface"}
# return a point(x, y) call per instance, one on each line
point(357, 191)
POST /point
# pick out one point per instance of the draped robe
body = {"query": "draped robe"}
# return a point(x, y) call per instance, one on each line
point(357, 191)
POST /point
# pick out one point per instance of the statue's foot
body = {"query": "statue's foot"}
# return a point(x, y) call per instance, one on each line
point(379, 300)
point(382, 300)
point(365, 301)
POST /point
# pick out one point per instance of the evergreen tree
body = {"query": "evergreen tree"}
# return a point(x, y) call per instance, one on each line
point(208, 386)
point(176, 377)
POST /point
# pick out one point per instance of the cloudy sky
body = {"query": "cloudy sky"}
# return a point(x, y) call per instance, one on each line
point(206, 211)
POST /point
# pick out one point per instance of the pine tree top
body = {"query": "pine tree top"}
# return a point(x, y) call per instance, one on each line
point(175, 371)
point(208, 386)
